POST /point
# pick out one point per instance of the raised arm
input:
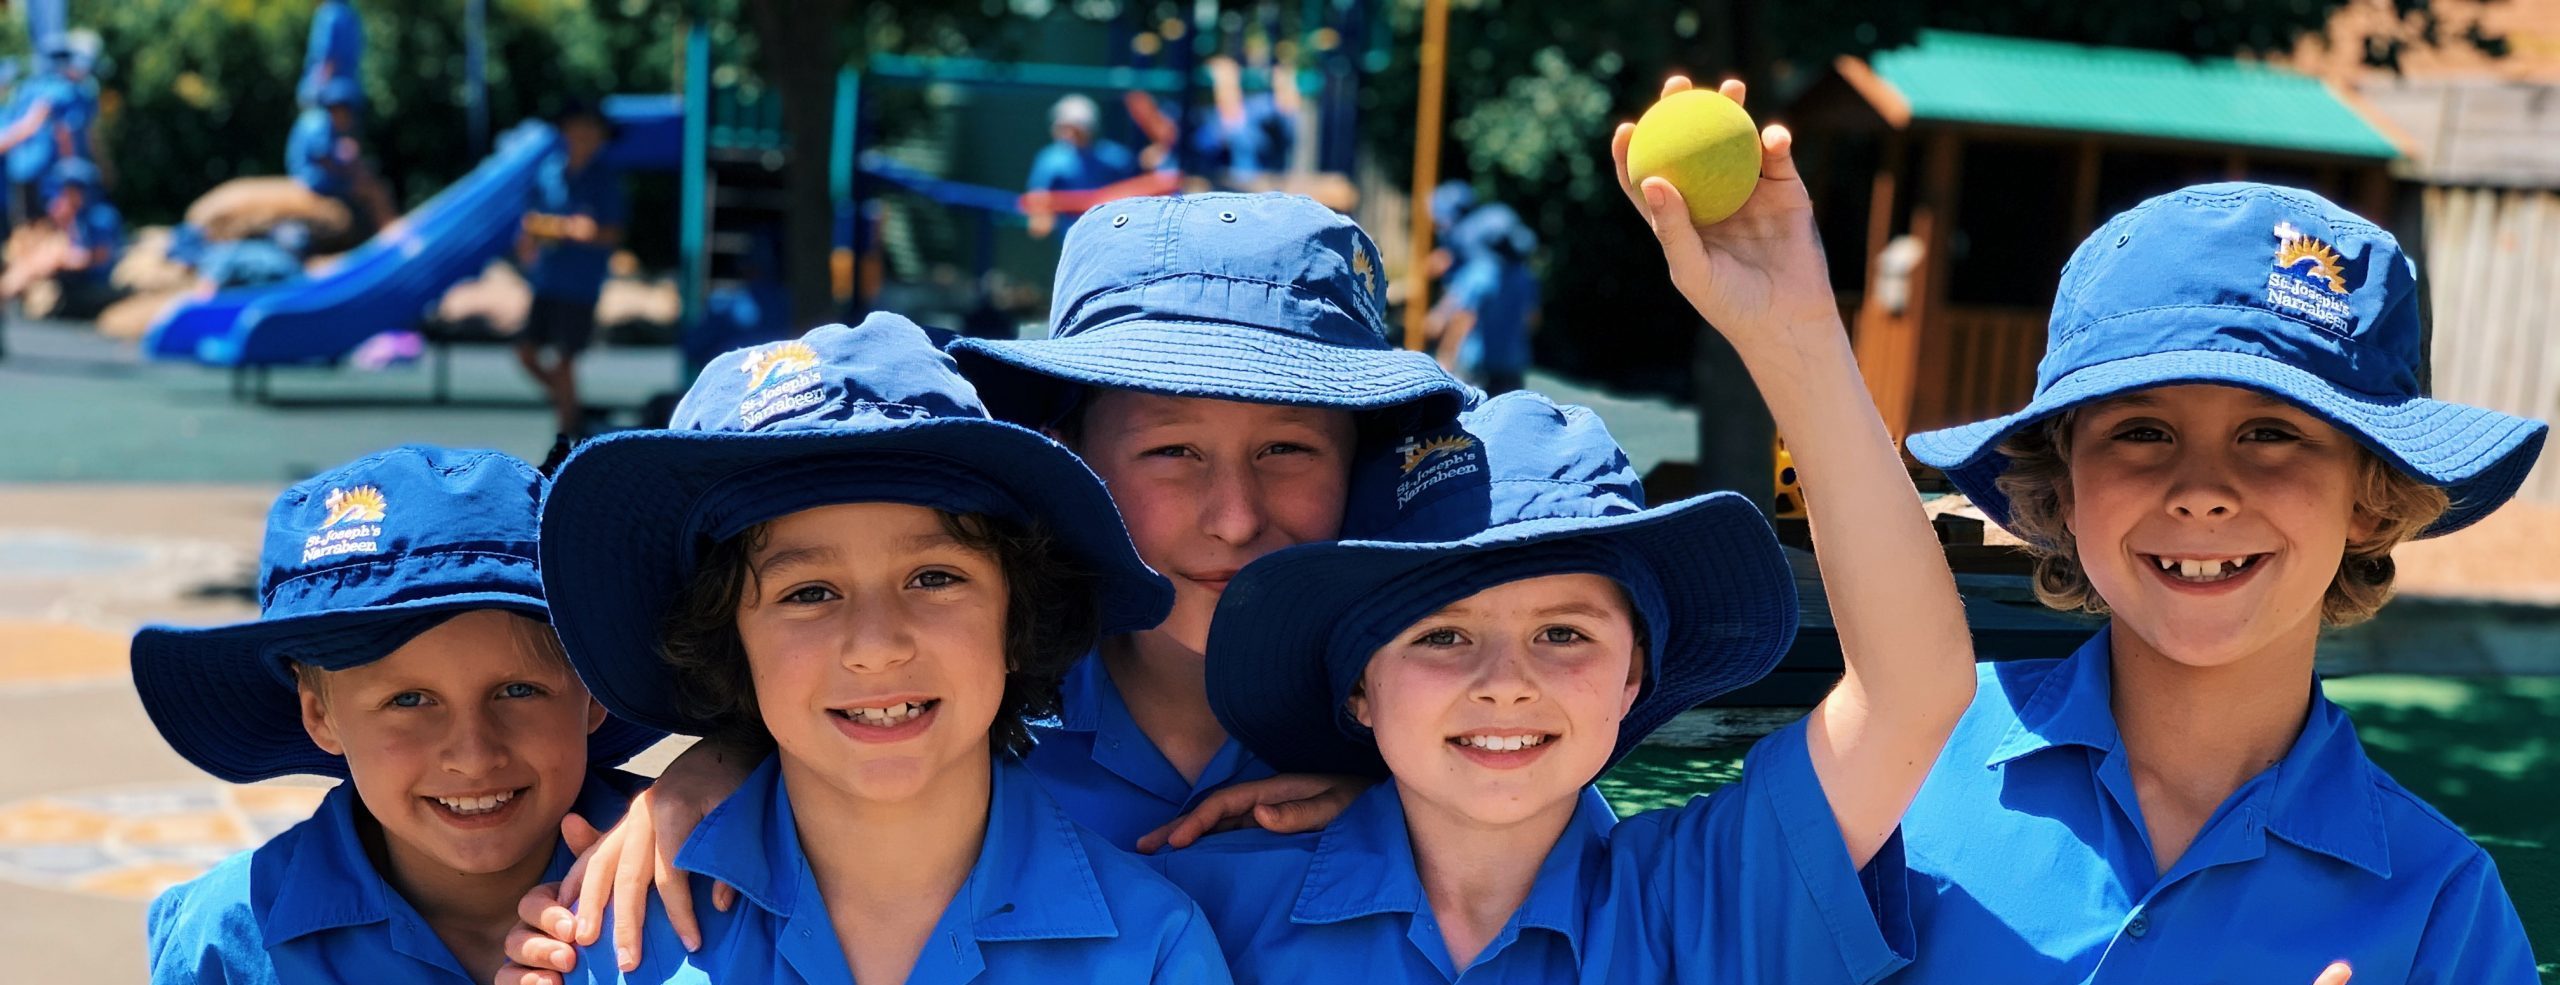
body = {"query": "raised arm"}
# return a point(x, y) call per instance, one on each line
point(1759, 277)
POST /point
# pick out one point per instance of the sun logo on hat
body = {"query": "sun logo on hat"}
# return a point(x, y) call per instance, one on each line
point(1418, 452)
point(2293, 249)
point(360, 504)
point(777, 363)
point(1367, 271)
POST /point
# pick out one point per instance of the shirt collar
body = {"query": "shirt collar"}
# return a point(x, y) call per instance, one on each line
point(331, 882)
point(2072, 704)
point(1363, 865)
point(2321, 796)
point(1082, 694)
point(1032, 879)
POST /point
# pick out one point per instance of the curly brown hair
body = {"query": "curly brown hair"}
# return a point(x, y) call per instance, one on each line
point(2040, 474)
point(1050, 614)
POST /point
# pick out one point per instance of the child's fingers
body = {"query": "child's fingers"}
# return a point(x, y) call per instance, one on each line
point(723, 896)
point(534, 957)
point(631, 889)
point(1732, 89)
point(1676, 83)
point(1777, 153)
point(1618, 166)
point(516, 974)
point(578, 834)
point(675, 892)
point(2336, 974)
point(595, 890)
point(542, 911)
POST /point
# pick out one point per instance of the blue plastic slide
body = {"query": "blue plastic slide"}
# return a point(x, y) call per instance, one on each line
point(388, 283)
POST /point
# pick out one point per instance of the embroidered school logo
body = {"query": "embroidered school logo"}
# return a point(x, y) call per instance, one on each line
point(775, 364)
point(1417, 452)
point(1363, 268)
point(781, 379)
point(362, 503)
point(353, 524)
point(1430, 463)
point(2308, 279)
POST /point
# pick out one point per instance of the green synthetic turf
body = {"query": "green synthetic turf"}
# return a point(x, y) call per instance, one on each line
point(2484, 750)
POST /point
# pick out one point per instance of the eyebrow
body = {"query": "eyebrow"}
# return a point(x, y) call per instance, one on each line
point(798, 554)
point(1577, 608)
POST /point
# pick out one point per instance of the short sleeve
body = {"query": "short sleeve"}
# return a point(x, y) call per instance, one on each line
point(2473, 935)
point(1753, 882)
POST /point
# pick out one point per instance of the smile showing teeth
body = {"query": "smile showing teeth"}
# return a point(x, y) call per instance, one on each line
point(897, 714)
point(2204, 571)
point(468, 806)
point(1502, 743)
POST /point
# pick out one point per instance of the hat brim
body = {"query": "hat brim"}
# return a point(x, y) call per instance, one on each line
point(1727, 588)
point(2479, 456)
point(224, 704)
point(1032, 381)
point(619, 522)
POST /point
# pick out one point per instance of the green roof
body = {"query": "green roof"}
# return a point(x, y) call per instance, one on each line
point(2050, 85)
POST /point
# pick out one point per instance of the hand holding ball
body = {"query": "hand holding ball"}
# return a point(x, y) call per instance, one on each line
point(1705, 145)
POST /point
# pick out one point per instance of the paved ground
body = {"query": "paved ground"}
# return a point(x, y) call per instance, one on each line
point(133, 493)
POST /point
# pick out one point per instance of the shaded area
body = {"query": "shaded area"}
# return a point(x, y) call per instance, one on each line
point(2483, 750)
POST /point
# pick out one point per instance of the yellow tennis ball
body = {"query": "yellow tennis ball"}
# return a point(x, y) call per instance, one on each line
point(1705, 145)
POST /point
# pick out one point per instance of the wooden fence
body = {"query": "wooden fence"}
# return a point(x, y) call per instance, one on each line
point(2493, 270)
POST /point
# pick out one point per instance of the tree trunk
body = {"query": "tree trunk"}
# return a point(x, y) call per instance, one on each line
point(800, 41)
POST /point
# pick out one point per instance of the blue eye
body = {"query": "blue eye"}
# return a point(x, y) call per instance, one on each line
point(1439, 637)
point(936, 579)
point(407, 699)
point(519, 689)
point(1561, 634)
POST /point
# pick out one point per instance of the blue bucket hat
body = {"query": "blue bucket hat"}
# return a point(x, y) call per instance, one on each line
point(1264, 298)
point(1450, 202)
point(71, 172)
point(1518, 487)
point(872, 413)
point(2273, 289)
point(358, 561)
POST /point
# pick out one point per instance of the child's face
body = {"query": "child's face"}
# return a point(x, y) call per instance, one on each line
point(1547, 664)
point(876, 641)
point(467, 743)
point(1207, 486)
point(2256, 488)
point(583, 135)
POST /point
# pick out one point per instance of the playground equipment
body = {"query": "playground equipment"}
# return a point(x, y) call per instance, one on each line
point(395, 278)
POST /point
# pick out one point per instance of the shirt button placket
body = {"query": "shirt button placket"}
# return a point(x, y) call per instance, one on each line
point(2138, 927)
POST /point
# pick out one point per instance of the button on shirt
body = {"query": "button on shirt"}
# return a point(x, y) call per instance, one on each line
point(309, 906)
point(1751, 884)
point(566, 271)
point(2031, 862)
point(1047, 902)
point(1106, 772)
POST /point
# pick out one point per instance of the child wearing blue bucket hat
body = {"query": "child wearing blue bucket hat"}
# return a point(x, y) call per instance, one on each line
point(400, 647)
point(1216, 359)
point(833, 553)
point(1508, 617)
point(2228, 436)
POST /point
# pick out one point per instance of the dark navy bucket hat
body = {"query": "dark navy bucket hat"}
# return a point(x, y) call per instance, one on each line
point(2273, 289)
point(1263, 298)
point(358, 561)
point(1518, 487)
point(871, 413)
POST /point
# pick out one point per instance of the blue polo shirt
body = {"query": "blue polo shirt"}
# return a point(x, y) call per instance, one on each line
point(1047, 902)
point(1106, 772)
point(1063, 166)
point(308, 154)
point(99, 228)
point(2031, 862)
point(1751, 884)
point(566, 271)
point(309, 906)
point(337, 38)
point(34, 157)
point(1502, 293)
